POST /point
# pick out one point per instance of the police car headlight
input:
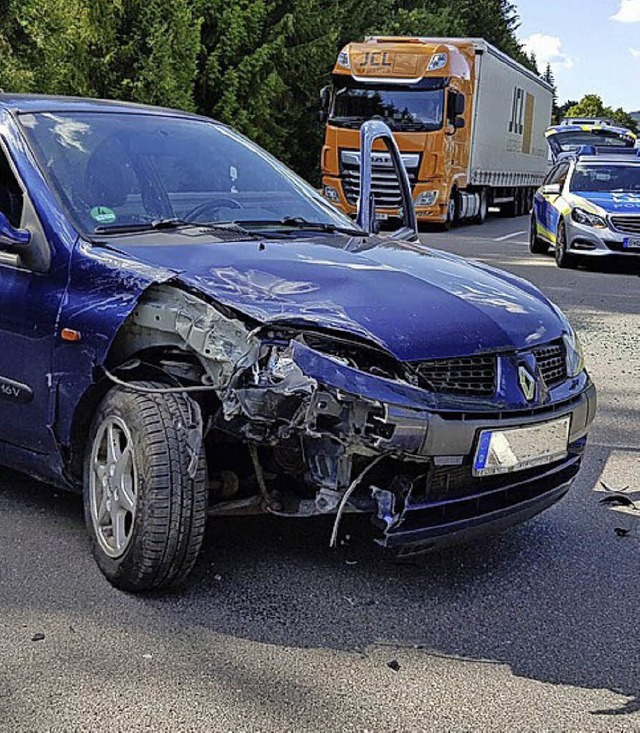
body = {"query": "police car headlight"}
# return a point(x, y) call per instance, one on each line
point(586, 218)
point(426, 198)
point(574, 353)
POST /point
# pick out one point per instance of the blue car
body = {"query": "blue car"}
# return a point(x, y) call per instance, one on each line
point(189, 330)
point(589, 207)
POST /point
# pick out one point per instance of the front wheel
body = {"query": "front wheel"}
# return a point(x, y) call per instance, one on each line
point(537, 246)
point(563, 258)
point(145, 493)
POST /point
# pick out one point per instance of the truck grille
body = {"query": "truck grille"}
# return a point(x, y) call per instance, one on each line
point(629, 224)
point(552, 362)
point(474, 376)
point(384, 182)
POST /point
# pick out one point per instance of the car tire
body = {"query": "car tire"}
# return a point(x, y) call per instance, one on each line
point(537, 246)
point(563, 258)
point(141, 459)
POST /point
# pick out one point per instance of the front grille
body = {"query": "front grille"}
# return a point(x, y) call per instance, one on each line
point(629, 224)
point(384, 182)
point(552, 362)
point(473, 376)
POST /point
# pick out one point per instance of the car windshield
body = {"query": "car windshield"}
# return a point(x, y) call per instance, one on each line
point(118, 170)
point(401, 109)
point(573, 141)
point(606, 178)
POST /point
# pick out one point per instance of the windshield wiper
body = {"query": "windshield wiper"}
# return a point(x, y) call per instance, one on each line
point(301, 224)
point(169, 224)
point(155, 225)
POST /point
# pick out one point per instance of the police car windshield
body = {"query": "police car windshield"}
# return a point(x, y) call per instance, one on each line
point(573, 141)
point(125, 171)
point(611, 178)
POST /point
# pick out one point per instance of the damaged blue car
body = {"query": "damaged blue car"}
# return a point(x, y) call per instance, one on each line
point(189, 330)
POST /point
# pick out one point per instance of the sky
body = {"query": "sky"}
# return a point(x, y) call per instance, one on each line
point(593, 46)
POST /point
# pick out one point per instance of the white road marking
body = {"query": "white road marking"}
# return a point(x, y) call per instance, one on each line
point(509, 236)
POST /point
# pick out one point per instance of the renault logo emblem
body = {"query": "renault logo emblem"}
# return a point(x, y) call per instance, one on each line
point(527, 383)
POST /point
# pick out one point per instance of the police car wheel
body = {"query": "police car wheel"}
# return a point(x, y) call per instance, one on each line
point(537, 246)
point(563, 258)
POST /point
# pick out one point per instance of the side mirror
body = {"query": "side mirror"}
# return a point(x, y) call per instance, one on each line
point(460, 104)
point(371, 131)
point(10, 237)
point(325, 103)
point(552, 189)
point(459, 123)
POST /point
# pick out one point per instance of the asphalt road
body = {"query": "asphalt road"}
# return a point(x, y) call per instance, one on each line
point(535, 630)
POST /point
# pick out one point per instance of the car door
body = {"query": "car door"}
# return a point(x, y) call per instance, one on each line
point(553, 200)
point(545, 204)
point(31, 288)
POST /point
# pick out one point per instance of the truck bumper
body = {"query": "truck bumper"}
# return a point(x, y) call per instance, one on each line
point(333, 192)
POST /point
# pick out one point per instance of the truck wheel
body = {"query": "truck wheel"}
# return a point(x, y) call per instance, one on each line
point(537, 246)
point(483, 208)
point(563, 258)
point(145, 491)
point(453, 212)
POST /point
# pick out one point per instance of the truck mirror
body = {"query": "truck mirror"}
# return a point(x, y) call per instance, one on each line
point(325, 103)
point(371, 131)
point(460, 104)
point(459, 123)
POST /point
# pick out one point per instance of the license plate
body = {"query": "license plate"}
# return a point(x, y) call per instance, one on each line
point(515, 449)
point(631, 243)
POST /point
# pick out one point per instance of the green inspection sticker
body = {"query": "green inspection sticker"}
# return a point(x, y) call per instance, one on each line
point(103, 214)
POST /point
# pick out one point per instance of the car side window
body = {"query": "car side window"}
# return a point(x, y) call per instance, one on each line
point(561, 174)
point(11, 196)
point(549, 177)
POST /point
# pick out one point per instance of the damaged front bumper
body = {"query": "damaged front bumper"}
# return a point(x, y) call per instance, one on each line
point(423, 492)
point(339, 428)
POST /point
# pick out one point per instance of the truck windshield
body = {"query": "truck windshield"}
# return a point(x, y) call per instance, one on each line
point(419, 110)
point(610, 178)
point(124, 169)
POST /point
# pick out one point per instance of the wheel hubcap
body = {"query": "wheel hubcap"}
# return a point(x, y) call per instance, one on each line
point(113, 486)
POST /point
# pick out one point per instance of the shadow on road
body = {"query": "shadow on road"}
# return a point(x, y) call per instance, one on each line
point(549, 599)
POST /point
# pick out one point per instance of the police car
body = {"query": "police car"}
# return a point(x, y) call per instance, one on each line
point(588, 206)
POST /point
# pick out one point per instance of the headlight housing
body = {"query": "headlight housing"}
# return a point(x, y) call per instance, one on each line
point(580, 216)
point(574, 353)
point(426, 198)
point(331, 193)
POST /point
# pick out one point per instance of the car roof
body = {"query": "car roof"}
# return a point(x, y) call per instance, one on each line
point(629, 161)
point(18, 103)
point(557, 129)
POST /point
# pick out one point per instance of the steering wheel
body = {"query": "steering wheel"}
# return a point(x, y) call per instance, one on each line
point(207, 209)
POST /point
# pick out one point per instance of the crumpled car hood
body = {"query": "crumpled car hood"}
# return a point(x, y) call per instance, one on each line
point(414, 302)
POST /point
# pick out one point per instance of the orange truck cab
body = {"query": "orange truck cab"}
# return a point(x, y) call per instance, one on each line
point(468, 120)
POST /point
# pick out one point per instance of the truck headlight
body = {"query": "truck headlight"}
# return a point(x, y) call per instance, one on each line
point(426, 198)
point(586, 218)
point(331, 193)
point(574, 353)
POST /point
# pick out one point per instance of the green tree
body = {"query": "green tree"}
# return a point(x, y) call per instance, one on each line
point(591, 105)
point(550, 79)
